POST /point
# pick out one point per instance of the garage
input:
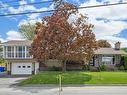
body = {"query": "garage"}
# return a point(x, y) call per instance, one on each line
point(21, 68)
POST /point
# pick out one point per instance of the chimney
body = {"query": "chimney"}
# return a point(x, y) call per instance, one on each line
point(117, 45)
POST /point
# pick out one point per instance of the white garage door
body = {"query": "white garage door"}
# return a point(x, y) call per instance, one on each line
point(21, 68)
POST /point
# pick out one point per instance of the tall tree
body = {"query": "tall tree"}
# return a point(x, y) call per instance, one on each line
point(1, 47)
point(1, 50)
point(124, 49)
point(103, 44)
point(57, 38)
point(27, 30)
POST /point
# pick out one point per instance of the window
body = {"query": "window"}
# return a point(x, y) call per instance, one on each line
point(27, 51)
point(17, 52)
point(20, 48)
point(19, 66)
point(107, 60)
point(23, 66)
point(9, 48)
point(28, 66)
point(20, 51)
point(23, 51)
point(9, 51)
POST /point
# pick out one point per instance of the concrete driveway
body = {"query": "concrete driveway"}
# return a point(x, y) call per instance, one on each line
point(8, 87)
point(9, 81)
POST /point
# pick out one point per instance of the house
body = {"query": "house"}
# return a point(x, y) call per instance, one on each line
point(16, 52)
point(109, 56)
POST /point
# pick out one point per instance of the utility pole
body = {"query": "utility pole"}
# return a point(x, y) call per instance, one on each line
point(60, 84)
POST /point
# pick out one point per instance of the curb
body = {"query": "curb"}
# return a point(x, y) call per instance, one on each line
point(70, 85)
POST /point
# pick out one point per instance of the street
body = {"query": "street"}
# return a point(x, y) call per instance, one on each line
point(8, 87)
point(89, 90)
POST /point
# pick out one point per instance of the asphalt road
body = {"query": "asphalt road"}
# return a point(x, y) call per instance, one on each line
point(8, 87)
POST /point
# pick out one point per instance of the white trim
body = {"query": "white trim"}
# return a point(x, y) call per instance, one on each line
point(25, 51)
point(14, 51)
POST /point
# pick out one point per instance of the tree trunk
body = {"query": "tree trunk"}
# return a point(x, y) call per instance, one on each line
point(64, 66)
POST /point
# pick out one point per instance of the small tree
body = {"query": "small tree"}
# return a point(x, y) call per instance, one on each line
point(57, 38)
point(1, 49)
point(103, 44)
point(2, 61)
point(27, 30)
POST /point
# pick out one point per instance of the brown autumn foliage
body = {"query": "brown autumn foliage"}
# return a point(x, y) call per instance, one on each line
point(56, 38)
point(103, 44)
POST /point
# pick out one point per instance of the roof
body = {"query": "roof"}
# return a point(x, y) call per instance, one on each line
point(18, 42)
point(98, 51)
point(109, 51)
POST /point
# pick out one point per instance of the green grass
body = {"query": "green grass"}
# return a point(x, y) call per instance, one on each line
point(78, 78)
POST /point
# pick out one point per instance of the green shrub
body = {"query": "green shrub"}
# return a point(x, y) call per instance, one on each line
point(86, 68)
point(94, 69)
point(121, 68)
point(125, 64)
point(103, 67)
point(2, 61)
point(54, 68)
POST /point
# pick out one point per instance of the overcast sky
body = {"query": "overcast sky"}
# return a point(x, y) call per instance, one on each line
point(110, 22)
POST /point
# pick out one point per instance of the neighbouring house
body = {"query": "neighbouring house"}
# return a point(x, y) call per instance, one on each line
point(109, 56)
point(16, 52)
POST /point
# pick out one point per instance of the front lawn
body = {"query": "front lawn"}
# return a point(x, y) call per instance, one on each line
point(78, 78)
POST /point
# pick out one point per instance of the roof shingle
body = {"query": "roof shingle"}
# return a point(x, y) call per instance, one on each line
point(109, 51)
point(18, 42)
